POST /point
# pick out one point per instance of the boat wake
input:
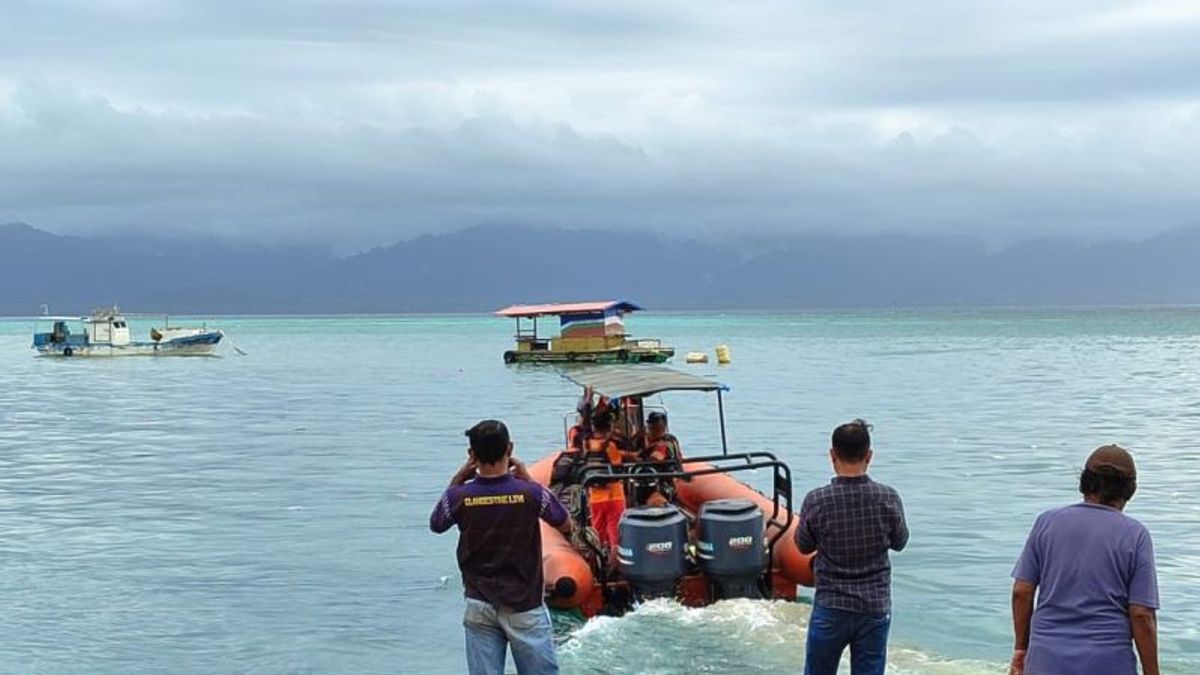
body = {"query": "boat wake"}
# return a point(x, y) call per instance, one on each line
point(733, 636)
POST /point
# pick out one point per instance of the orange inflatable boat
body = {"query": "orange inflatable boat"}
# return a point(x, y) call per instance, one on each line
point(716, 538)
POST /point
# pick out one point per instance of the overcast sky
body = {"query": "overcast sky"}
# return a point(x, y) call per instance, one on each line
point(354, 123)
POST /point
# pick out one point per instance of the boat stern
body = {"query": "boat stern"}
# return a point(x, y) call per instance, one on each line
point(59, 341)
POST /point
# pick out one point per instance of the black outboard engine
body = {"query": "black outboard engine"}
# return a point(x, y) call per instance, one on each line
point(732, 551)
point(651, 552)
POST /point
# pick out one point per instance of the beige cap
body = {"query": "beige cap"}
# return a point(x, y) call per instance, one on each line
point(1112, 457)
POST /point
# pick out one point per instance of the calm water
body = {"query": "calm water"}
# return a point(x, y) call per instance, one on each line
point(267, 513)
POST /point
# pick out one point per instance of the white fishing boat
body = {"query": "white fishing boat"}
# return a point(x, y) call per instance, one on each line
point(106, 333)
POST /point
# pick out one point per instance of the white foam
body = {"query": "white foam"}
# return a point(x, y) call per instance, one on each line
point(662, 637)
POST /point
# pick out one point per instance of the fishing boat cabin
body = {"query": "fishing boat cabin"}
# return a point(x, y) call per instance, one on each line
point(589, 332)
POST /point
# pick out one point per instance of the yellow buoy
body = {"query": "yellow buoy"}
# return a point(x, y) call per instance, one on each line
point(697, 357)
point(723, 356)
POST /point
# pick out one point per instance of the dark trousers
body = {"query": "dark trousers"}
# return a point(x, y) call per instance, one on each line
point(830, 631)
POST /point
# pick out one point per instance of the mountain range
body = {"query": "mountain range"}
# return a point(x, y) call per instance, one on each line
point(482, 268)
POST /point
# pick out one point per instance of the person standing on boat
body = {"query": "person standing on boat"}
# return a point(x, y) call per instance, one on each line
point(606, 500)
point(851, 524)
point(496, 506)
point(1091, 569)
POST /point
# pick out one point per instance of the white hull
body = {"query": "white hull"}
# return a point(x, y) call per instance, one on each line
point(106, 333)
point(133, 349)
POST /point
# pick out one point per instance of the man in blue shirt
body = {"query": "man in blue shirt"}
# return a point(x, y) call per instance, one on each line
point(851, 523)
point(497, 506)
point(1091, 568)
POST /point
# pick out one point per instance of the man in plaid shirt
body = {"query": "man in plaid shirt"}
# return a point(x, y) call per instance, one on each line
point(852, 523)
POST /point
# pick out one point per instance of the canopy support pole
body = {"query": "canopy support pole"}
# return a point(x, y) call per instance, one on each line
point(721, 414)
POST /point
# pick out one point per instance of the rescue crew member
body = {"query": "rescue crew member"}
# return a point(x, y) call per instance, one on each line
point(496, 506)
point(606, 500)
point(585, 410)
point(660, 447)
point(661, 444)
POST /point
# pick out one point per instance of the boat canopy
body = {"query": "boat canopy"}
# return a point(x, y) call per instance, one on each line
point(639, 380)
point(556, 309)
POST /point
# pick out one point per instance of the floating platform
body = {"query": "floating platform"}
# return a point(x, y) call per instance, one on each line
point(589, 332)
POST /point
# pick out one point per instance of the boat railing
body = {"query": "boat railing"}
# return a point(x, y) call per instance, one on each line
point(780, 519)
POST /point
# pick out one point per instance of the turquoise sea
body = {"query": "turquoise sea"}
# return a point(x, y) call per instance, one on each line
point(267, 513)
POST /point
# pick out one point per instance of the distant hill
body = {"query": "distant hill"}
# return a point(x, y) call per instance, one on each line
point(73, 275)
point(481, 268)
point(485, 267)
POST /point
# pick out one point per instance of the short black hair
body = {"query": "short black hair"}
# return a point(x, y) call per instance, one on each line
point(657, 416)
point(489, 441)
point(602, 421)
point(852, 440)
point(1107, 485)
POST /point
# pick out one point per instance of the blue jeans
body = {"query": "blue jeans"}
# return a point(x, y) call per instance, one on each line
point(830, 631)
point(491, 631)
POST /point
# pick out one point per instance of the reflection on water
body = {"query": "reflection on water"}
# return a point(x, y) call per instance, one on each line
point(268, 513)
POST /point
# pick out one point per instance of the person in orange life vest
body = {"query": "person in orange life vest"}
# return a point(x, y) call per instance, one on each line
point(606, 502)
point(661, 444)
point(578, 432)
point(585, 409)
point(660, 447)
point(573, 457)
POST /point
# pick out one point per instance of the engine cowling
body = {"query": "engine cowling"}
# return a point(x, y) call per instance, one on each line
point(731, 547)
point(651, 552)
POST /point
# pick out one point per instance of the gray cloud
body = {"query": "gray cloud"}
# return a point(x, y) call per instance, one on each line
point(358, 123)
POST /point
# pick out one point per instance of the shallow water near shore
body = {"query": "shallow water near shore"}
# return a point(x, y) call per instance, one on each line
point(738, 636)
point(267, 513)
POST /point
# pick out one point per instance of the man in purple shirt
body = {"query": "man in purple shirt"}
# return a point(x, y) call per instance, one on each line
point(1091, 568)
point(497, 506)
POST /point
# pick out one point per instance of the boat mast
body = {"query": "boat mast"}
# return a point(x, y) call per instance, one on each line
point(721, 415)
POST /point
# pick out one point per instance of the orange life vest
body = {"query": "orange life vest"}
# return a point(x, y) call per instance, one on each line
point(665, 449)
point(606, 451)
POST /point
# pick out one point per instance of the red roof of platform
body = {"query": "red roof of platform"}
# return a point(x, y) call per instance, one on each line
point(568, 308)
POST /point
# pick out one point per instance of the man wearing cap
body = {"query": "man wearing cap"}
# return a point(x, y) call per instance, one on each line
point(1091, 568)
point(660, 447)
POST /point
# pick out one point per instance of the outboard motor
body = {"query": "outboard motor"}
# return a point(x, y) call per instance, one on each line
point(731, 547)
point(651, 551)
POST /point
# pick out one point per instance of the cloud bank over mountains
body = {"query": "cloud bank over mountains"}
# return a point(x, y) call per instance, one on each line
point(482, 268)
point(352, 124)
